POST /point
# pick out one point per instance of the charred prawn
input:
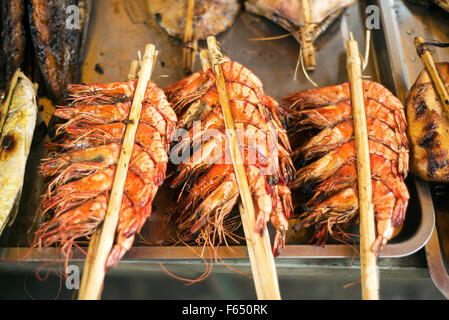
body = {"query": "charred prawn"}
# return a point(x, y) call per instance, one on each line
point(84, 159)
point(329, 162)
point(206, 175)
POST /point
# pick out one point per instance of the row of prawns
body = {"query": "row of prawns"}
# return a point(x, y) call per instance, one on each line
point(188, 128)
point(85, 151)
point(327, 177)
point(83, 162)
point(207, 173)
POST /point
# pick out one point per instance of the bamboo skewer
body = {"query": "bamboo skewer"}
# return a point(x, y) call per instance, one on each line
point(92, 281)
point(307, 36)
point(369, 270)
point(205, 60)
point(190, 44)
point(91, 253)
point(93, 244)
point(134, 70)
point(259, 247)
point(429, 63)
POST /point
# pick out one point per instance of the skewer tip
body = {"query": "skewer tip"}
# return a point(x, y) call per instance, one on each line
point(351, 36)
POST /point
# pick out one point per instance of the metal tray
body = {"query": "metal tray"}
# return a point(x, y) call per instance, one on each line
point(431, 23)
point(113, 41)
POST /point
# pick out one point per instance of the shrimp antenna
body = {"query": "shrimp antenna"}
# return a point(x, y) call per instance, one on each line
point(299, 62)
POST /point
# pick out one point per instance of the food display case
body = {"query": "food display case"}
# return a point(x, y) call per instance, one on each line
point(118, 29)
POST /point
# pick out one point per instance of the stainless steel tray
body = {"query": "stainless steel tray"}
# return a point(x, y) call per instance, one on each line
point(406, 21)
point(113, 41)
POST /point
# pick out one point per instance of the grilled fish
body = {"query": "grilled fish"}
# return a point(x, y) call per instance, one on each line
point(210, 18)
point(428, 128)
point(288, 13)
point(12, 38)
point(18, 120)
point(58, 40)
point(443, 4)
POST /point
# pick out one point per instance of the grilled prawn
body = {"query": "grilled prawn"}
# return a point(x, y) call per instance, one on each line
point(328, 174)
point(206, 175)
point(83, 162)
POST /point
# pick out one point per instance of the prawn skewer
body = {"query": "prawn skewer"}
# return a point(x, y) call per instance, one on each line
point(206, 172)
point(84, 161)
point(327, 173)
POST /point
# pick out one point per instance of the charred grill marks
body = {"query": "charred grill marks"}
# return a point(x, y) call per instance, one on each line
point(436, 161)
point(429, 140)
point(421, 108)
point(428, 128)
point(12, 37)
point(8, 144)
point(58, 48)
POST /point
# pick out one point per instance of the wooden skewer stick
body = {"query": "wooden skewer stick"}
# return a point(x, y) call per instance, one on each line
point(369, 270)
point(97, 268)
point(205, 60)
point(134, 70)
point(190, 45)
point(193, 55)
point(259, 247)
point(91, 253)
point(307, 36)
point(133, 74)
point(429, 63)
